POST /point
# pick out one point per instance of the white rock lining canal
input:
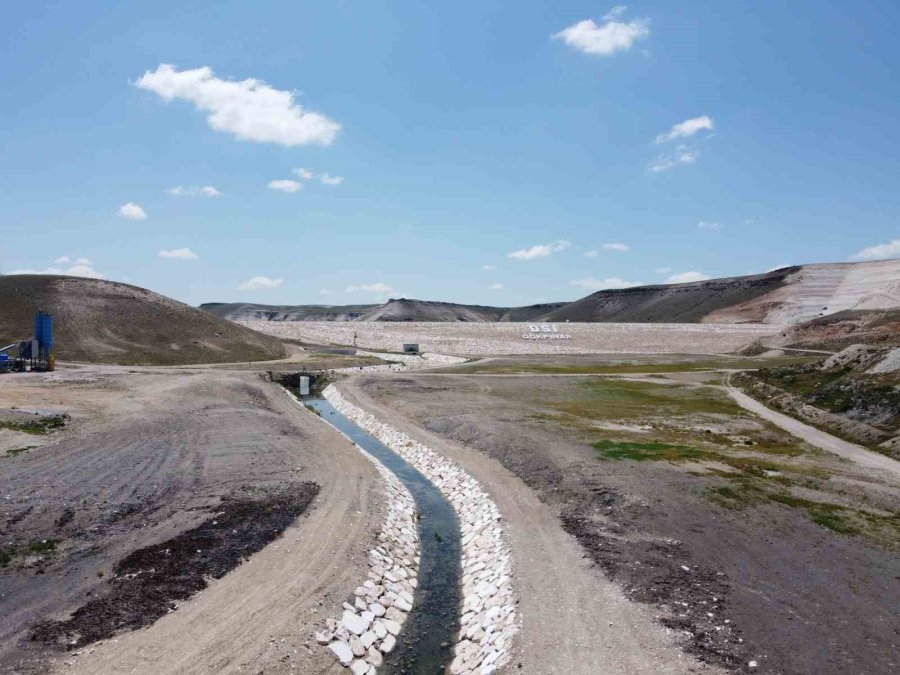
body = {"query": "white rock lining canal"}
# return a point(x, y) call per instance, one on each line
point(368, 628)
point(488, 617)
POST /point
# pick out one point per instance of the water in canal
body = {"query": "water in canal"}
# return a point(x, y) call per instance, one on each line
point(425, 644)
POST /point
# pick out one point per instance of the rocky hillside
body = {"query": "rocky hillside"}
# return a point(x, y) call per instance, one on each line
point(787, 296)
point(107, 322)
point(854, 393)
point(679, 303)
point(393, 310)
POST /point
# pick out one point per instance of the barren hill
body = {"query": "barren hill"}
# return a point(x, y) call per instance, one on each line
point(107, 322)
point(784, 296)
point(678, 303)
point(393, 310)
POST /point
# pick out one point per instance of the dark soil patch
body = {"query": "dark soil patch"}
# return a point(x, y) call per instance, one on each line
point(148, 582)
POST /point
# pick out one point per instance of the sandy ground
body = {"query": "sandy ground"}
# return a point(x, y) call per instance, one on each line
point(475, 339)
point(146, 455)
point(575, 620)
point(797, 598)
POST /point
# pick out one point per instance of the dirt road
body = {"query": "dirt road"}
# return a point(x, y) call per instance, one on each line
point(821, 439)
point(148, 454)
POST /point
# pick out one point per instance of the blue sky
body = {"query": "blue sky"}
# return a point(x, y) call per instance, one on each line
point(488, 150)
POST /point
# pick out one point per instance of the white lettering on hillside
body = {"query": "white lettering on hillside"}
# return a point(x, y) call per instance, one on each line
point(544, 331)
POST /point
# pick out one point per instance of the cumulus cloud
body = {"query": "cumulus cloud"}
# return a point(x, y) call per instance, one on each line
point(324, 178)
point(285, 185)
point(879, 251)
point(194, 191)
point(686, 129)
point(540, 250)
point(132, 211)
point(325, 291)
point(378, 288)
point(682, 155)
point(488, 268)
point(497, 287)
point(706, 225)
point(178, 254)
point(687, 277)
point(249, 110)
point(592, 284)
point(616, 247)
point(64, 260)
point(257, 283)
point(593, 253)
point(605, 39)
point(330, 180)
point(82, 267)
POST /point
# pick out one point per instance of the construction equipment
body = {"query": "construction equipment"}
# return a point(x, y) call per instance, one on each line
point(35, 353)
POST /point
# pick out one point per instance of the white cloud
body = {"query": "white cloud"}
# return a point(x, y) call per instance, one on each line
point(330, 180)
point(194, 191)
point(325, 291)
point(686, 129)
point(540, 251)
point(257, 283)
point(178, 254)
point(324, 178)
point(497, 287)
point(616, 247)
point(879, 252)
point(488, 268)
point(285, 185)
point(682, 155)
point(687, 277)
point(132, 211)
point(706, 225)
point(593, 253)
point(64, 260)
point(250, 110)
point(663, 270)
point(592, 284)
point(81, 268)
point(606, 39)
point(378, 288)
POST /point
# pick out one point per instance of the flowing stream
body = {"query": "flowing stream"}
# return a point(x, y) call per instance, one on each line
point(425, 644)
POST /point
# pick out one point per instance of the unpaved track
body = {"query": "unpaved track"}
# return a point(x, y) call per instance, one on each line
point(821, 439)
point(574, 620)
point(147, 454)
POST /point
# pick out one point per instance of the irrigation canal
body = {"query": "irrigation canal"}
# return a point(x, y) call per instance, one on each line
point(425, 644)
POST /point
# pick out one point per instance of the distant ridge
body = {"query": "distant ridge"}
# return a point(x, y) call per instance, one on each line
point(784, 296)
point(401, 309)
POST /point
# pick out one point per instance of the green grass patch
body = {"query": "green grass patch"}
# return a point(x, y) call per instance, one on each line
point(37, 426)
point(44, 546)
point(630, 366)
point(7, 553)
point(19, 451)
point(829, 516)
point(649, 451)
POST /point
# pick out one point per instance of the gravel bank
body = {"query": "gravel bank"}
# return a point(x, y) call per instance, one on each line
point(477, 339)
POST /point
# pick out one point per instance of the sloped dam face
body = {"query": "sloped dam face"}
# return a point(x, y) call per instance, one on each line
point(425, 644)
